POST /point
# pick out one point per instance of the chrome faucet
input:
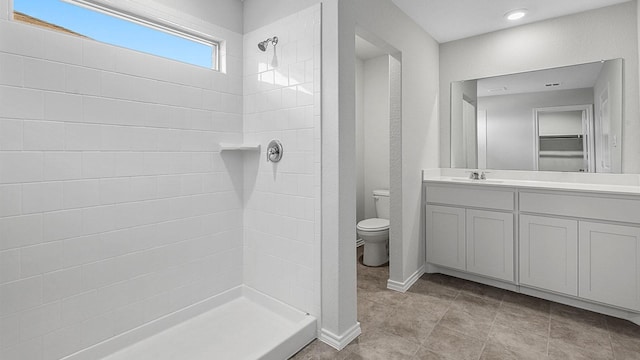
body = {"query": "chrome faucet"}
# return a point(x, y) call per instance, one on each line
point(478, 175)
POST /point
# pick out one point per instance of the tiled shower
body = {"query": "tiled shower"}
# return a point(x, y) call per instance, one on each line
point(282, 200)
point(117, 205)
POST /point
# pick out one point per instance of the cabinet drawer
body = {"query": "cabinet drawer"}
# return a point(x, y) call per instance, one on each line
point(582, 206)
point(470, 197)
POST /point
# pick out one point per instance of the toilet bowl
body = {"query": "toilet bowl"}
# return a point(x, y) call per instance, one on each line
point(375, 234)
point(375, 231)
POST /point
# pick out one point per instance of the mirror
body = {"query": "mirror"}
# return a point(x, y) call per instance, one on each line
point(561, 119)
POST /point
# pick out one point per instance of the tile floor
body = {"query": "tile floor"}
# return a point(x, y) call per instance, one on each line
point(442, 317)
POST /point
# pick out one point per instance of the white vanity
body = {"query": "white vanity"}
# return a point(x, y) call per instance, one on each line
point(567, 237)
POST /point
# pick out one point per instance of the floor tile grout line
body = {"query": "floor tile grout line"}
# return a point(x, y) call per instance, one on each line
point(440, 319)
point(460, 291)
point(491, 328)
point(613, 350)
point(438, 322)
point(549, 331)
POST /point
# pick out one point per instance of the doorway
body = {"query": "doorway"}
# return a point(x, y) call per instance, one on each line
point(564, 138)
point(378, 124)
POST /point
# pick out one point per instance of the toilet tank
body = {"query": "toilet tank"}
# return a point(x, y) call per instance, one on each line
point(381, 199)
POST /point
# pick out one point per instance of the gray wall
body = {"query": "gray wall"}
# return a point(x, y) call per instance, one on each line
point(386, 26)
point(376, 130)
point(360, 140)
point(605, 33)
point(372, 132)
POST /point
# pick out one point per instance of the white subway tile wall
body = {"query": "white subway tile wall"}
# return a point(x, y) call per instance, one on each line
point(282, 200)
point(116, 207)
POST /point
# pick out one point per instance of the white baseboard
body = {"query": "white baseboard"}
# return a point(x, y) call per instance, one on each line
point(405, 285)
point(339, 342)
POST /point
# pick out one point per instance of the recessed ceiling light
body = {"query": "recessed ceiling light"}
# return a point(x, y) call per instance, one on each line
point(515, 14)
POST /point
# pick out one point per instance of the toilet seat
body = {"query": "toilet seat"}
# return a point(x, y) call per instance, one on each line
point(373, 224)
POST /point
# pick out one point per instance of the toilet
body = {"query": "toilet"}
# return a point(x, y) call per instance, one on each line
point(375, 231)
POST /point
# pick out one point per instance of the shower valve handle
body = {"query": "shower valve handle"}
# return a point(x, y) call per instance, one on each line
point(272, 154)
point(274, 151)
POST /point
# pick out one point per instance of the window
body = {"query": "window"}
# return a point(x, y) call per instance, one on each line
point(91, 20)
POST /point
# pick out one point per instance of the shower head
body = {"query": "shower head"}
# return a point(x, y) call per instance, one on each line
point(263, 44)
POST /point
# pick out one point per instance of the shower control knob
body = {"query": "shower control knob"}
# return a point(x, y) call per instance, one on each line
point(274, 151)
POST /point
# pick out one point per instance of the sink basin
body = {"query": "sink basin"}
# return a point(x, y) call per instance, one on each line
point(470, 181)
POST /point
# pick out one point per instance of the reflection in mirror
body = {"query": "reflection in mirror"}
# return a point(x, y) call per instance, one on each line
point(560, 119)
point(564, 136)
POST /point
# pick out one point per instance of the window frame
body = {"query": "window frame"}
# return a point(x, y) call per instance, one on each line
point(150, 21)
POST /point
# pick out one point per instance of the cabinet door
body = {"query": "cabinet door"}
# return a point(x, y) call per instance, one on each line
point(549, 253)
point(609, 264)
point(445, 236)
point(490, 244)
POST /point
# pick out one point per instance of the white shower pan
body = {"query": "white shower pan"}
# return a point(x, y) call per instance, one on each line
point(244, 324)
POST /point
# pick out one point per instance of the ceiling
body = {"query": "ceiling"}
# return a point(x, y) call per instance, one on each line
point(564, 78)
point(448, 20)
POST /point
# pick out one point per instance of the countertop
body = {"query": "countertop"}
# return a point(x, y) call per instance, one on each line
point(621, 184)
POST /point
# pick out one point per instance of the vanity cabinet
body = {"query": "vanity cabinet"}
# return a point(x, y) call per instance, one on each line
point(490, 244)
point(609, 264)
point(589, 239)
point(446, 236)
point(549, 253)
point(461, 237)
point(578, 247)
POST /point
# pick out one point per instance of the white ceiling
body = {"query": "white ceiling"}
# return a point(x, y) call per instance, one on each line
point(569, 77)
point(448, 20)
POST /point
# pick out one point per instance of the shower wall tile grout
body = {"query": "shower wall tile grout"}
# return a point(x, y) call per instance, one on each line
point(282, 201)
point(116, 207)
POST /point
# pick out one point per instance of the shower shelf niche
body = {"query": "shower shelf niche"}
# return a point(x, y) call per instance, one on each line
point(239, 147)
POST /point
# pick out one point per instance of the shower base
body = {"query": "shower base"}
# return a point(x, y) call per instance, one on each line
point(245, 324)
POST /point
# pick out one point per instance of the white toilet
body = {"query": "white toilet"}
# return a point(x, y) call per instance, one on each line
point(375, 231)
